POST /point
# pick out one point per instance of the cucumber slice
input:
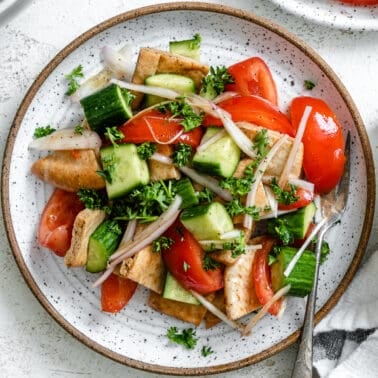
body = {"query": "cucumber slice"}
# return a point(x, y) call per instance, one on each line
point(295, 224)
point(102, 244)
point(178, 83)
point(301, 278)
point(219, 158)
point(125, 170)
point(107, 107)
point(207, 222)
point(185, 190)
point(188, 47)
point(174, 291)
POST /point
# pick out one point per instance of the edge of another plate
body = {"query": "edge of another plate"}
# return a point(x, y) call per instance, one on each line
point(206, 7)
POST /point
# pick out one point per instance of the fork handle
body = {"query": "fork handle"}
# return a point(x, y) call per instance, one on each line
point(303, 363)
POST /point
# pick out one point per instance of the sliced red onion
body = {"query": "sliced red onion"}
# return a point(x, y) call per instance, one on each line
point(273, 203)
point(220, 134)
point(233, 234)
point(161, 158)
point(224, 96)
point(300, 251)
point(279, 213)
point(302, 184)
point(217, 244)
point(264, 310)
point(294, 148)
point(156, 91)
point(67, 139)
point(146, 237)
point(244, 143)
point(252, 247)
point(251, 196)
point(208, 182)
point(119, 62)
point(215, 311)
point(201, 103)
point(129, 232)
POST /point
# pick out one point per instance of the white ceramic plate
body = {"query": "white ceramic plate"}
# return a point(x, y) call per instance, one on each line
point(136, 336)
point(333, 13)
point(9, 8)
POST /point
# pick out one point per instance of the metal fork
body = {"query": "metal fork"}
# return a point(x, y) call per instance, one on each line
point(332, 208)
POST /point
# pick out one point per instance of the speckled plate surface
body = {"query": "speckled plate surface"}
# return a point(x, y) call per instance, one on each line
point(333, 13)
point(136, 336)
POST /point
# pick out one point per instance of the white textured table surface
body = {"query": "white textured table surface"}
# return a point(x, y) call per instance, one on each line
point(32, 344)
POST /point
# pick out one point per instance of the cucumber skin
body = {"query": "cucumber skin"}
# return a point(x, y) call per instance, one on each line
point(185, 190)
point(175, 292)
point(102, 244)
point(297, 223)
point(207, 222)
point(127, 171)
point(220, 158)
point(107, 107)
point(301, 279)
point(185, 48)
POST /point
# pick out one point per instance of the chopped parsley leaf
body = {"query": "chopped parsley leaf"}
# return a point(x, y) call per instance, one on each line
point(72, 77)
point(114, 135)
point(162, 243)
point(206, 351)
point(43, 131)
point(209, 263)
point(214, 83)
point(187, 337)
point(285, 197)
point(182, 154)
point(93, 199)
point(181, 110)
point(79, 129)
point(146, 150)
point(309, 85)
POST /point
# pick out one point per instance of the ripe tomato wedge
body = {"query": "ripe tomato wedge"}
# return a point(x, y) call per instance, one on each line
point(184, 259)
point(360, 2)
point(304, 198)
point(261, 276)
point(153, 126)
point(253, 77)
point(324, 159)
point(55, 227)
point(116, 292)
point(253, 109)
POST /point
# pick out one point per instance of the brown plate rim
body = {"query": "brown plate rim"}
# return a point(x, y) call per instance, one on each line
point(205, 7)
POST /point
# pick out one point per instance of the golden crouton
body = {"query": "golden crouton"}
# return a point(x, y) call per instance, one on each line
point(70, 170)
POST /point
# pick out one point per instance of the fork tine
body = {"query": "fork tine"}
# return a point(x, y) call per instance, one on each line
point(342, 190)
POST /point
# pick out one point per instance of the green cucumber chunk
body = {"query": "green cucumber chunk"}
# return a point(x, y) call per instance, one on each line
point(107, 107)
point(220, 158)
point(294, 225)
point(124, 169)
point(189, 48)
point(185, 190)
point(174, 291)
point(207, 222)
point(102, 243)
point(301, 279)
point(181, 84)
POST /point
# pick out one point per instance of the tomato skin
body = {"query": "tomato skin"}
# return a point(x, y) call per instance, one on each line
point(261, 276)
point(253, 109)
point(55, 227)
point(304, 198)
point(184, 260)
point(360, 2)
point(253, 77)
point(138, 129)
point(116, 292)
point(324, 158)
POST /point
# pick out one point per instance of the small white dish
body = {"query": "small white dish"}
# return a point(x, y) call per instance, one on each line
point(333, 13)
point(136, 336)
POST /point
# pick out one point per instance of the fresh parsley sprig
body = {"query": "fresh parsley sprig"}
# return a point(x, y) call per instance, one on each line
point(182, 154)
point(180, 109)
point(162, 243)
point(146, 150)
point(113, 134)
point(72, 78)
point(214, 83)
point(43, 131)
point(285, 197)
point(93, 199)
point(187, 337)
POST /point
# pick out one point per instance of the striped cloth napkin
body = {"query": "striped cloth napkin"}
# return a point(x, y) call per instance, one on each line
point(346, 340)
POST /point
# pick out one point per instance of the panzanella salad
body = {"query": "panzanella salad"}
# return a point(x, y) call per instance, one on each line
point(188, 180)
